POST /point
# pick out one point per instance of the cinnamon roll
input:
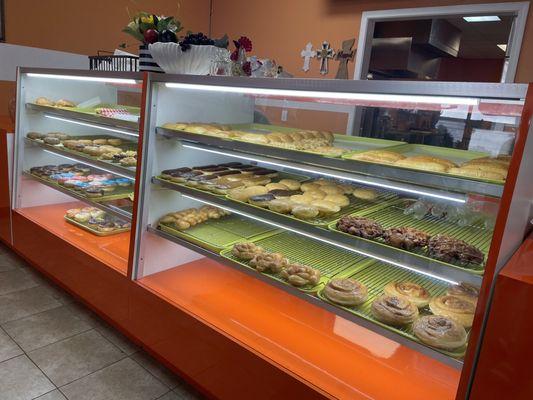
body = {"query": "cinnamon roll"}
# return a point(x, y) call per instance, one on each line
point(454, 307)
point(440, 332)
point(465, 291)
point(394, 310)
point(416, 294)
point(346, 292)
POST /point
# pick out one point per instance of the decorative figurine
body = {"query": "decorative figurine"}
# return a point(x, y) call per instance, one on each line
point(307, 54)
point(343, 56)
point(323, 54)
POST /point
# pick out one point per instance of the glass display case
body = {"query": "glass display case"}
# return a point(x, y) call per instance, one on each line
point(76, 157)
point(378, 201)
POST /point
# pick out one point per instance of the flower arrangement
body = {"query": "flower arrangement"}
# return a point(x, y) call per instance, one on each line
point(241, 66)
point(150, 28)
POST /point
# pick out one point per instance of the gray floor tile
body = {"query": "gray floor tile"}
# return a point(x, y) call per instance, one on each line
point(117, 338)
point(14, 280)
point(20, 379)
point(53, 395)
point(155, 368)
point(83, 313)
point(125, 380)
point(9, 261)
point(8, 348)
point(170, 396)
point(44, 328)
point(75, 357)
point(26, 302)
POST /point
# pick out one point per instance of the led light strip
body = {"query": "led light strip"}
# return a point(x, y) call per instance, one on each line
point(73, 121)
point(457, 199)
point(385, 260)
point(90, 165)
point(85, 78)
point(392, 98)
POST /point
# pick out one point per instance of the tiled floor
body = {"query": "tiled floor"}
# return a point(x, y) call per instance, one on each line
point(53, 348)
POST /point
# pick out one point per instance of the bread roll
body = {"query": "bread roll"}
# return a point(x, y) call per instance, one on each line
point(345, 292)
point(440, 332)
point(454, 307)
point(394, 310)
point(416, 294)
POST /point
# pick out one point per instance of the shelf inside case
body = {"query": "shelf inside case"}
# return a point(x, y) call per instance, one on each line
point(384, 175)
point(87, 118)
point(353, 264)
point(391, 255)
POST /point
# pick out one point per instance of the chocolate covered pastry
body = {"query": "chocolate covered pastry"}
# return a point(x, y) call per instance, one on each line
point(405, 238)
point(363, 227)
point(448, 249)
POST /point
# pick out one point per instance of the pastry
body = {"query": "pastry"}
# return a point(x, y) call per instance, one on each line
point(365, 194)
point(281, 206)
point(377, 156)
point(261, 200)
point(345, 292)
point(43, 101)
point(254, 138)
point(94, 192)
point(243, 194)
point(128, 162)
point(405, 238)
point(451, 250)
point(330, 151)
point(479, 172)
point(64, 103)
point(331, 189)
point(290, 183)
point(269, 262)
point(358, 226)
point(304, 187)
point(280, 193)
point(465, 291)
point(114, 142)
point(440, 332)
point(426, 163)
point(454, 307)
point(246, 251)
point(326, 207)
point(338, 199)
point(394, 310)
point(52, 140)
point(301, 199)
point(82, 217)
point(100, 141)
point(304, 212)
point(317, 194)
point(35, 135)
point(301, 275)
point(276, 186)
point(416, 294)
point(72, 212)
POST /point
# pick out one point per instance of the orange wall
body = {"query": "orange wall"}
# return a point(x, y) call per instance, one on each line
point(280, 29)
point(85, 27)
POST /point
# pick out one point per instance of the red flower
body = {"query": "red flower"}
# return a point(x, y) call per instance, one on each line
point(246, 43)
point(247, 68)
point(234, 56)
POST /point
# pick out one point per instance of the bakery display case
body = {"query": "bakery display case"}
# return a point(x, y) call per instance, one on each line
point(282, 180)
point(76, 157)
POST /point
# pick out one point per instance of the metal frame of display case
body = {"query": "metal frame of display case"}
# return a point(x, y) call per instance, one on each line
point(374, 175)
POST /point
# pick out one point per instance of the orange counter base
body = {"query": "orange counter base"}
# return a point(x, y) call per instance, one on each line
point(329, 353)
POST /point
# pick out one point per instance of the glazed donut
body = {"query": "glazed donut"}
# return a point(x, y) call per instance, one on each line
point(394, 310)
point(440, 332)
point(415, 293)
point(346, 292)
point(301, 275)
point(454, 307)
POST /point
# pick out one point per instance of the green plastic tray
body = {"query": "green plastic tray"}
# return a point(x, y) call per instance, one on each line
point(330, 260)
point(354, 144)
point(355, 205)
point(92, 110)
point(375, 275)
point(217, 234)
point(119, 193)
point(391, 215)
point(88, 228)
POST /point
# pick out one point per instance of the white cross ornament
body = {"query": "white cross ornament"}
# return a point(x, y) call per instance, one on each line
point(323, 54)
point(307, 54)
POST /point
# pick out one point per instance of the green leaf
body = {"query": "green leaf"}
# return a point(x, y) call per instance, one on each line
point(133, 32)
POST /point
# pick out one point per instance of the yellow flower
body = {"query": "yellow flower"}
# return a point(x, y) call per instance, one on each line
point(148, 20)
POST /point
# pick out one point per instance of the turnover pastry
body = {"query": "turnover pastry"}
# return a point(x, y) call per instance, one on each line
point(358, 226)
point(416, 294)
point(465, 291)
point(378, 156)
point(457, 308)
point(452, 250)
point(246, 251)
point(301, 275)
point(346, 292)
point(269, 262)
point(365, 194)
point(394, 310)
point(440, 332)
point(426, 163)
point(405, 238)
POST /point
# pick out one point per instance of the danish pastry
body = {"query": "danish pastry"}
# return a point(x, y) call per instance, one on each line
point(440, 332)
point(394, 310)
point(416, 294)
point(457, 308)
point(465, 291)
point(346, 292)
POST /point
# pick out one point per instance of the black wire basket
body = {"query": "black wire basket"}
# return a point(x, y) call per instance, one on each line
point(111, 62)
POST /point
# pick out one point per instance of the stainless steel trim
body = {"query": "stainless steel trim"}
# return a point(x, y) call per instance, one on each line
point(457, 364)
point(456, 89)
point(386, 254)
point(85, 160)
point(93, 119)
point(107, 208)
point(408, 179)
